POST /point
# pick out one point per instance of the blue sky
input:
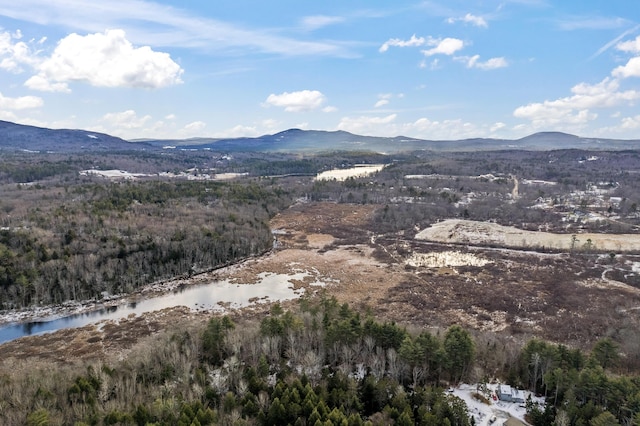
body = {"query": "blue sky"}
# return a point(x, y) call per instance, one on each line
point(441, 69)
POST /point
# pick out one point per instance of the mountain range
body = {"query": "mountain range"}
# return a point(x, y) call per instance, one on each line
point(18, 137)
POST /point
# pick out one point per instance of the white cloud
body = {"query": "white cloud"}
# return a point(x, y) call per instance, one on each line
point(23, 102)
point(575, 109)
point(366, 125)
point(385, 98)
point(421, 128)
point(304, 100)
point(497, 126)
point(450, 129)
point(170, 117)
point(396, 42)
point(195, 126)
point(8, 116)
point(269, 123)
point(631, 122)
point(478, 21)
point(312, 23)
point(125, 120)
point(105, 60)
point(238, 131)
point(158, 24)
point(42, 84)
point(329, 109)
point(490, 64)
point(15, 54)
point(256, 129)
point(632, 46)
point(446, 46)
point(615, 41)
point(631, 69)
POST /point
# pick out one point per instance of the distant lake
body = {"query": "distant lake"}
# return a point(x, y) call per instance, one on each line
point(216, 296)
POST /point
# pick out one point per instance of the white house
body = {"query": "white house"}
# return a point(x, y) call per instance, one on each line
point(508, 394)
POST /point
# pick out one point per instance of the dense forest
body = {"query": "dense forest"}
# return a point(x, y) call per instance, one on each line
point(101, 239)
point(319, 364)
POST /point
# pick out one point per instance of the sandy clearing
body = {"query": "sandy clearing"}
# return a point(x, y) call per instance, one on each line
point(444, 259)
point(486, 233)
point(343, 174)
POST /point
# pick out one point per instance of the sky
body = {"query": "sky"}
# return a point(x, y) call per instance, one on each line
point(438, 70)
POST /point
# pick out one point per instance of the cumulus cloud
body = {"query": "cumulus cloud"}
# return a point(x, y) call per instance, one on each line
point(630, 69)
point(443, 46)
point(195, 126)
point(490, 64)
point(367, 125)
point(42, 84)
point(576, 108)
point(125, 120)
point(14, 54)
point(23, 102)
point(304, 100)
point(632, 46)
point(397, 42)
point(238, 131)
point(446, 46)
point(105, 60)
point(478, 21)
point(631, 122)
point(421, 128)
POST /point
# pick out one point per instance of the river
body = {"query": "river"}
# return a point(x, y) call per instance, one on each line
point(216, 296)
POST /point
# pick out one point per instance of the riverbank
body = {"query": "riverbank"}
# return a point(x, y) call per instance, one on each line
point(156, 289)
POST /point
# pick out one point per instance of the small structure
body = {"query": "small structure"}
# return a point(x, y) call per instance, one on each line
point(508, 394)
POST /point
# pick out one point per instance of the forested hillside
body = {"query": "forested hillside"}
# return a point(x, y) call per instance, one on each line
point(95, 239)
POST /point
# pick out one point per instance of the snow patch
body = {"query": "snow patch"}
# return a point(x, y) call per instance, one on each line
point(445, 259)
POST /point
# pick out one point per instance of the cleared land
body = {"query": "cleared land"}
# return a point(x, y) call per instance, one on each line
point(460, 231)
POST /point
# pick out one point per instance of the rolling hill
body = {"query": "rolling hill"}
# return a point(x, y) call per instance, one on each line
point(29, 138)
point(20, 137)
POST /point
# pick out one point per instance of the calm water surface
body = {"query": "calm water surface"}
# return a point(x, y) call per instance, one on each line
point(215, 296)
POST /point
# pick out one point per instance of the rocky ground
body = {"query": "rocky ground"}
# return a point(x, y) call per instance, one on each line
point(563, 297)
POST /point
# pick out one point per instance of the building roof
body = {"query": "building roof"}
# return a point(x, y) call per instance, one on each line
point(512, 421)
